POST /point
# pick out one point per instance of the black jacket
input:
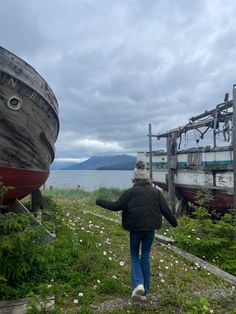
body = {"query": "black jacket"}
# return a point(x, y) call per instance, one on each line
point(142, 208)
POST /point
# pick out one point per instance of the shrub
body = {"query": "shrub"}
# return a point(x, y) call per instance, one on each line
point(208, 239)
point(23, 251)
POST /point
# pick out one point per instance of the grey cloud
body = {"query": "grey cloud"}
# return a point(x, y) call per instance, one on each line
point(19, 32)
point(116, 66)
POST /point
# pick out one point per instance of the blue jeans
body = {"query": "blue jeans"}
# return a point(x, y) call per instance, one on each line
point(140, 265)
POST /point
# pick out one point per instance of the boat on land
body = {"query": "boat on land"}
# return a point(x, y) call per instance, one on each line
point(197, 169)
point(29, 127)
point(203, 168)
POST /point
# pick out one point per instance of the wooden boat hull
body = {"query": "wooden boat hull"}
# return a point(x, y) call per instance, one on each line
point(21, 182)
point(197, 169)
point(220, 199)
point(29, 126)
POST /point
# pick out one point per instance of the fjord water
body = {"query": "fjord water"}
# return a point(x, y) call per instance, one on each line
point(90, 180)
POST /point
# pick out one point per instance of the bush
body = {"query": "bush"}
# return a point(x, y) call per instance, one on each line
point(208, 239)
point(23, 251)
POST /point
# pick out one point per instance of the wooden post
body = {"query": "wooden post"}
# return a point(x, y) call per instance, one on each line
point(234, 149)
point(172, 163)
point(150, 151)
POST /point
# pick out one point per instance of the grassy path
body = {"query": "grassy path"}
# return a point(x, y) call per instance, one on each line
point(177, 286)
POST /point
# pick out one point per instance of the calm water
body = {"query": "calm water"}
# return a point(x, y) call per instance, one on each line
point(90, 180)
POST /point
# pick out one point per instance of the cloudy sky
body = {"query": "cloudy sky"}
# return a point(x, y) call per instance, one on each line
point(117, 65)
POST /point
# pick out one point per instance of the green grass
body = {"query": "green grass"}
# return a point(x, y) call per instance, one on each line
point(89, 264)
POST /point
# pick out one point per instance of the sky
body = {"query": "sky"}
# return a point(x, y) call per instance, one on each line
point(117, 65)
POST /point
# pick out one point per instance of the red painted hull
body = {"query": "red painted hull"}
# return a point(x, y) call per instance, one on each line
point(220, 200)
point(23, 181)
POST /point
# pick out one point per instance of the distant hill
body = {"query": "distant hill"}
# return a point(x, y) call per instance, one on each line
point(112, 162)
point(59, 165)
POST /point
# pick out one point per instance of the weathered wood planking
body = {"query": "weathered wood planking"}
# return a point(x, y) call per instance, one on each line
point(20, 71)
point(29, 124)
point(27, 135)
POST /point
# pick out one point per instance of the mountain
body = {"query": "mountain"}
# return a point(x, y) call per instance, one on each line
point(59, 165)
point(113, 162)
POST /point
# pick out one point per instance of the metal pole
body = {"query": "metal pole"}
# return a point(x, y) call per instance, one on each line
point(150, 151)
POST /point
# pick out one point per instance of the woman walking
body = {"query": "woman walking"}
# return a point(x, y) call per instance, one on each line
point(142, 208)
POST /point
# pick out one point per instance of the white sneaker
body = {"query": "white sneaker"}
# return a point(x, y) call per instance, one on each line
point(137, 292)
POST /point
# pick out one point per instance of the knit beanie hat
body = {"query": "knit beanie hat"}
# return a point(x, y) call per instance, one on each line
point(140, 172)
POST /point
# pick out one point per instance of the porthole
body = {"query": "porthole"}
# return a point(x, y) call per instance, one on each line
point(14, 103)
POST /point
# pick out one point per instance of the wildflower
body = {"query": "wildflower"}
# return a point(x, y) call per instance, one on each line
point(162, 280)
point(114, 277)
point(49, 286)
point(189, 236)
point(76, 301)
point(211, 311)
point(176, 262)
point(166, 267)
point(98, 281)
point(110, 258)
point(198, 239)
point(80, 294)
point(104, 253)
point(193, 230)
point(122, 263)
point(161, 261)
